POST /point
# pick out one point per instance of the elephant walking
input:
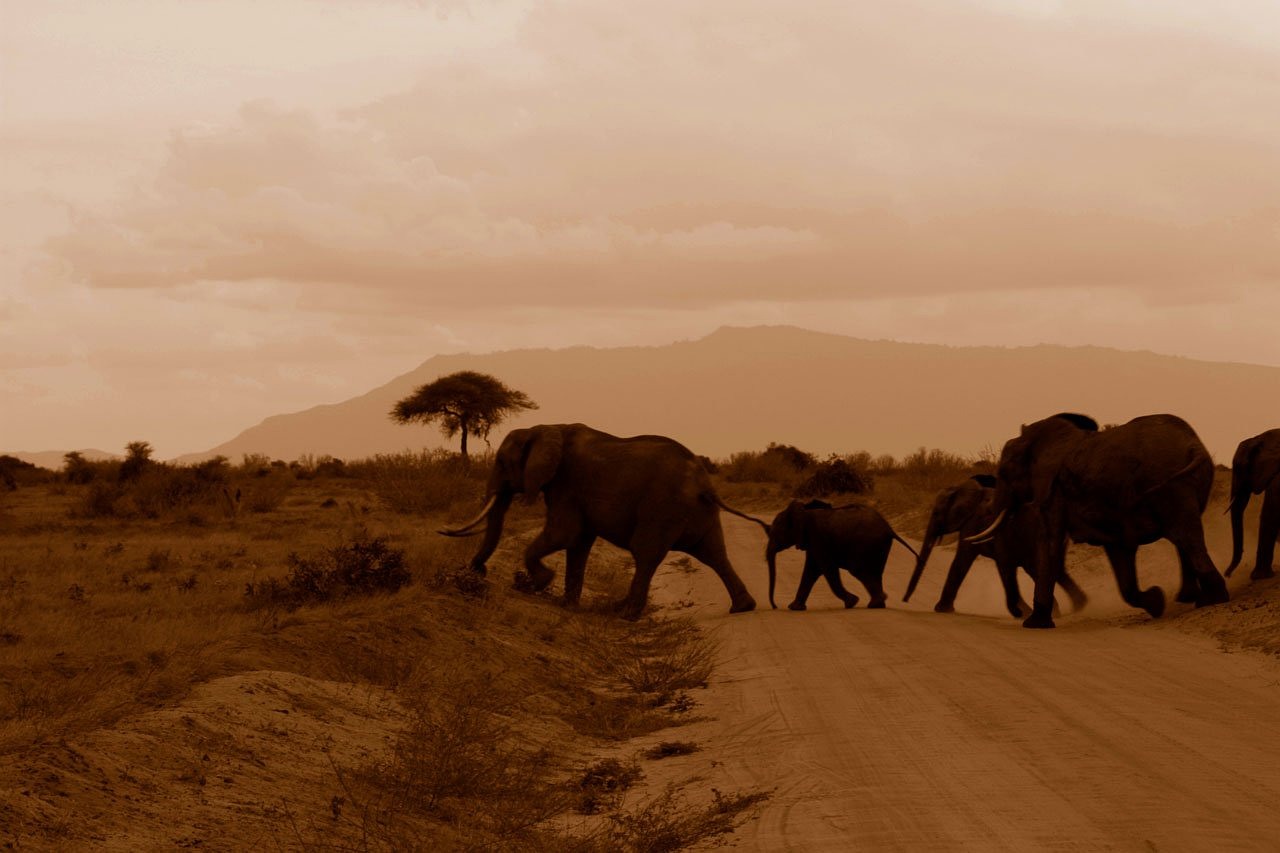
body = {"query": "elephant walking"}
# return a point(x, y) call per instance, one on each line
point(855, 538)
point(1255, 470)
point(647, 494)
point(966, 509)
point(1119, 488)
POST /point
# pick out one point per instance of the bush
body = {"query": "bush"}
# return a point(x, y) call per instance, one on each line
point(430, 481)
point(835, 476)
point(362, 567)
point(155, 489)
point(778, 463)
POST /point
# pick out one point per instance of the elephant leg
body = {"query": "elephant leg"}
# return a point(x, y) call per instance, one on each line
point(1050, 554)
point(711, 552)
point(544, 543)
point(832, 574)
point(1077, 595)
point(1188, 538)
point(1268, 531)
point(807, 579)
point(575, 568)
point(1189, 591)
point(960, 565)
point(1008, 573)
point(1124, 565)
point(637, 597)
point(872, 576)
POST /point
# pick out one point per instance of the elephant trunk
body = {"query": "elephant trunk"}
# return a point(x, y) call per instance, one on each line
point(493, 530)
point(931, 534)
point(771, 557)
point(1240, 496)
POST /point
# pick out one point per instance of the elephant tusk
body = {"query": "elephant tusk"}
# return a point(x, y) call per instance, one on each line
point(1230, 506)
point(983, 541)
point(465, 530)
point(978, 538)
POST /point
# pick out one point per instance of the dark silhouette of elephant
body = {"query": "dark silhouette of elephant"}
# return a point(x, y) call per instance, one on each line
point(1119, 488)
point(1255, 470)
point(968, 508)
point(646, 494)
point(854, 537)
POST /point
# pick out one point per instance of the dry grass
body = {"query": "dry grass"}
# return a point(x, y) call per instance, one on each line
point(107, 619)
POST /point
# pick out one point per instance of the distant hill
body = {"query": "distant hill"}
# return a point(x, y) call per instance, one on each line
point(740, 388)
point(52, 459)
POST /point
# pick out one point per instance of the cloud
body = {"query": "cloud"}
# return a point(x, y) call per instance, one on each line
point(666, 155)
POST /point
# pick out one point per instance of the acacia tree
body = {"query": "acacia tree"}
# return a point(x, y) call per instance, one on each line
point(465, 402)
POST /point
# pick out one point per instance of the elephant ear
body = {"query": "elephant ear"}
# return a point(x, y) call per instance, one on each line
point(817, 504)
point(1084, 422)
point(544, 453)
point(987, 481)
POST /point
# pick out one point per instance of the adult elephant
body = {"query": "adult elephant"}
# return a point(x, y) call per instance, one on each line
point(1255, 470)
point(854, 537)
point(968, 508)
point(647, 494)
point(1119, 488)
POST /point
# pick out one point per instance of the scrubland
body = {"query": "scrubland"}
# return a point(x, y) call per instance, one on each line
point(224, 656)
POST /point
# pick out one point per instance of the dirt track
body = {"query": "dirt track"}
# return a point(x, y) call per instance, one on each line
point(903, 729)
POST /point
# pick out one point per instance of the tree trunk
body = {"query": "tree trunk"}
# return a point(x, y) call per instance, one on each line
point(465, 425)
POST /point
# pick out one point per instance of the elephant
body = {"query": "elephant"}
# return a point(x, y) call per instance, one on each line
point(854, 537)
point(965, 509)
point(1255, 469)
point(647, 494)
point(1120, 488)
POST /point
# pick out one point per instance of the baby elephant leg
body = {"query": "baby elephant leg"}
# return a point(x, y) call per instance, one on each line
point(807, 579)
point(832, 574)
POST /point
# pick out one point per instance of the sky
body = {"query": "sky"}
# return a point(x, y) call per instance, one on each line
point(218, 210)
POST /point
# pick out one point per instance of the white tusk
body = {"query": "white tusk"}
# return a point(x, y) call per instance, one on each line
point(462, 531)
point(986, 534)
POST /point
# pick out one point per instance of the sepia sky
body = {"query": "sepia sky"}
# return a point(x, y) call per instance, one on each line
point(218, 210)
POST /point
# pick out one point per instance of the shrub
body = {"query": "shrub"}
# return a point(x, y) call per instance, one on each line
point(778, 463)
point(600, 786)
point(430, 481)
point(362, 567)
point(835, 476)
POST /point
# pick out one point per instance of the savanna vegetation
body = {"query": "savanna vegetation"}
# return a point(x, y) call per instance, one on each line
point(207, 640)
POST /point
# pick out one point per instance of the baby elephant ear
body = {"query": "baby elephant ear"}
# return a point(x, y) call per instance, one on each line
point(987, 481)
point(545, 451)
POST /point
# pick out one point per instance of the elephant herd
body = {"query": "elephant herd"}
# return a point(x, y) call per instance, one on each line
point(1060, 479)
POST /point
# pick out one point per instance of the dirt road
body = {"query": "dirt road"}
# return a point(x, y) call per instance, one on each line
point(903, 729)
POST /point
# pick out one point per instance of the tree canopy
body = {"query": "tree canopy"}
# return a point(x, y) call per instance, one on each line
point(465, 402)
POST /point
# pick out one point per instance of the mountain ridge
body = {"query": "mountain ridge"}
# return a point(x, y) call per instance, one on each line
point(742, 386)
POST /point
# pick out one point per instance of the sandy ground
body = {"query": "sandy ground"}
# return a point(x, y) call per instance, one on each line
point(903, 729)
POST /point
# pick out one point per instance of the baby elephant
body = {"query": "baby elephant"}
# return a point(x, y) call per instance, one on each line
point(853, 537)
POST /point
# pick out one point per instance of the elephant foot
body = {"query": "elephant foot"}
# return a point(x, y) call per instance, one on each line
point(628, 609)
point(796, 605)
point(479, 568)
point(1212, 591)
point(875, 604)
point(569, 603)
point(944, 607)
point(1262, 573)
point(743, 605)
point(535, 580)
point(1187, 594)
point(1041, 617)
point(1016, 608)
point(851, 601)
point(1152, 601)
point(1078, 600)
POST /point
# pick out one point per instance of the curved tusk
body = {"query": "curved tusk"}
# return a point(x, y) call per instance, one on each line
point(983, 541)
point(1230, 506)
point(978, 538)
point(465, 529)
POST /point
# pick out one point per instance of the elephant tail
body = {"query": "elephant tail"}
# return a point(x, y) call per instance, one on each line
point(905, 544)
point(724, 506)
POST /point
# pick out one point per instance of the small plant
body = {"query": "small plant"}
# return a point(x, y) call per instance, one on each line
point(600, 785)
point(835, 476)
point(666, 823)
point(669, 748)
point(362, 567)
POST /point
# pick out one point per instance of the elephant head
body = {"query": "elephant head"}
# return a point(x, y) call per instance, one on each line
point(1255, 466)
point(789, 529)
point(526, 461)
point(1031, 463)
point(952, 510)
